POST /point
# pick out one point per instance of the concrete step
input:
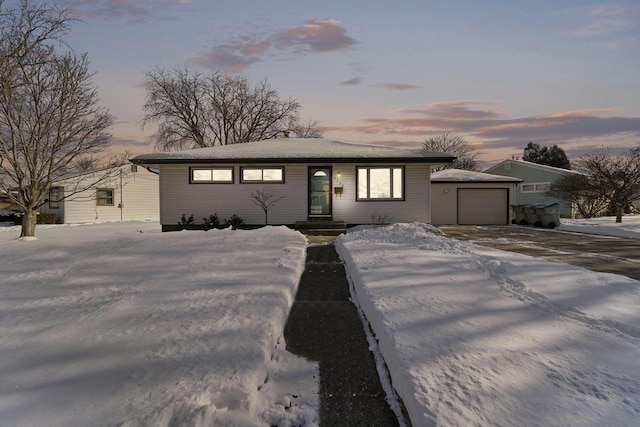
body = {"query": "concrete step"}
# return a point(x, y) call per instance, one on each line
point(321, 228)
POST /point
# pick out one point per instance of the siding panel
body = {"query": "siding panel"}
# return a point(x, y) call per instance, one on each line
point(180, 197)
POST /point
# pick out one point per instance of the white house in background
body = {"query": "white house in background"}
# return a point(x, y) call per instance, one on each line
point(318, 178)
point(129, 193)
point(460, 197)
point(536, 181)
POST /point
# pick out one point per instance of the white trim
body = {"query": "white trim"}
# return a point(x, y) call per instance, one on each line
point(535, 187)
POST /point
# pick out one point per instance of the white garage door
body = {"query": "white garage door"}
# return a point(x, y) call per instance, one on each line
point(483, 206)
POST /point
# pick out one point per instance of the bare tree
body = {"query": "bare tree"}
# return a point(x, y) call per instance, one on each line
point(580, 191)
point(466, 157)
point(310, 129)
point(266, 200)
point(194, 109)
point(49, 117)
point(617, 177)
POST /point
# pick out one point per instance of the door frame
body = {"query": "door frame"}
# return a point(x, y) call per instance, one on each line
point(328, 216)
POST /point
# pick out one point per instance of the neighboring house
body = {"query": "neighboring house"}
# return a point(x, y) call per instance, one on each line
point(6, 203)
point(461, 197)
point(536, 180)
point(317, 178)
point(130, 193)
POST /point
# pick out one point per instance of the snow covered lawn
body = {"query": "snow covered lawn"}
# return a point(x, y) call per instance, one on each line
point(105, 325)
point(606, 225)
point(478, 336)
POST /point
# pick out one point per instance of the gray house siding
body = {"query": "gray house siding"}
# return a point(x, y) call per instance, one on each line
point(532, 175)
point(179, 196)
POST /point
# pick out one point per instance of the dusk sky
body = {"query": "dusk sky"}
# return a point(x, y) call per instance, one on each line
point(500, 73)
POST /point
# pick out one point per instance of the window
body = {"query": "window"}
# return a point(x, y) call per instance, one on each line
point(55, 196)
point(380, 183)
point(104, 197)
point(211, 175)
point(535, 187)
point(273, 174)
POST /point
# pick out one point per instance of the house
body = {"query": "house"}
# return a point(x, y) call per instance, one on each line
point(536, 181)
point(127, 193)
point(316, 178)
point(461, 197)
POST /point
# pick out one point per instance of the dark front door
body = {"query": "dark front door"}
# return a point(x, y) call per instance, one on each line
point(320, 192)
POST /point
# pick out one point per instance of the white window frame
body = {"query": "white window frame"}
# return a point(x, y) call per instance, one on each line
point(537, 187)
point(211, 179)
point(108, 195)
point(262, 178)
point(394, 188)
point(56, 194)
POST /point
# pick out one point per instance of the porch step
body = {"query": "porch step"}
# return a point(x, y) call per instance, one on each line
point(321, 228)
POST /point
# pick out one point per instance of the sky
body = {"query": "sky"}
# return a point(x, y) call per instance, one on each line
point(499, 73)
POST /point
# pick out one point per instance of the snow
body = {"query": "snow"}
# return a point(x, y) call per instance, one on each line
point(120, 324)
point(477, 336)
point(294, 149)
point(607, 226)
point(459, 175)
point(134, 327)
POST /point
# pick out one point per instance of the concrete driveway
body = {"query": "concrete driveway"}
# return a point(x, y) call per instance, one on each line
point(598, 253)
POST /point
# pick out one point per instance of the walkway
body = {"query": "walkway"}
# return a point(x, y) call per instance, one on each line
point(324, 326)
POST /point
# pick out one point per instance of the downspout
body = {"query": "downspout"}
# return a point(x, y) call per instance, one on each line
point(121, 206)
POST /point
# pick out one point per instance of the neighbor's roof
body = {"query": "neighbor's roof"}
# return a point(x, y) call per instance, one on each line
point(459, 175)
point(534, 166)
point(296, 150)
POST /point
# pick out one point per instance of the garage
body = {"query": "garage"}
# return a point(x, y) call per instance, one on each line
point(483, 206)
point(471, 198)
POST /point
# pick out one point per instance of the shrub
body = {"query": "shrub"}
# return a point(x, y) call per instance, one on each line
point(234, 221)
point(47, 218)
point(524, 222)
point(210, 222)
point(185, 222)
point(380, 220)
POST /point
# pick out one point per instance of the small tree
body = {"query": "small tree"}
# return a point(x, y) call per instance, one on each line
point(554, 156)
point(266, 200)
point(466, 157)
point(580, 191)
point(616, 177)
point(49, 113)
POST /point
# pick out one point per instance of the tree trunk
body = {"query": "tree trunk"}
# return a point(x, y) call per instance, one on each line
point(619, 213)
point(29, 221)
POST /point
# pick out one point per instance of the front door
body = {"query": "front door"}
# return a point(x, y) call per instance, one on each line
point(320, 192)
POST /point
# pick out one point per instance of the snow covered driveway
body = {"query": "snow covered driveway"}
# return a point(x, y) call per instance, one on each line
point(477, 336)
point(151, 329)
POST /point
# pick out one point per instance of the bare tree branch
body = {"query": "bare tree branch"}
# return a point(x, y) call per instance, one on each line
point(466, 156)
point(197, 110)
point(49, 113)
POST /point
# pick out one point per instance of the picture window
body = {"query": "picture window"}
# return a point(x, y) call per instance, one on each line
point(380, 183)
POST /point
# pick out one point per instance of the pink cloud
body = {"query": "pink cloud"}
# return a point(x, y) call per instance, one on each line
point(315, 36)
point(482, 121)
point(312, 36)
point(227, 57)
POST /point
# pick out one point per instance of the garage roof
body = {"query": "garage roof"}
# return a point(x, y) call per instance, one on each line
point(459, 175)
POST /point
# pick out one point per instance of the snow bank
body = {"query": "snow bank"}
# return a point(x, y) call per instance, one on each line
point(477, 336)
point(152, 329)
point(606, 226)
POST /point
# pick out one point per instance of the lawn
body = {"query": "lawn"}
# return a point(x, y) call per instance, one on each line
point(119, 324)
